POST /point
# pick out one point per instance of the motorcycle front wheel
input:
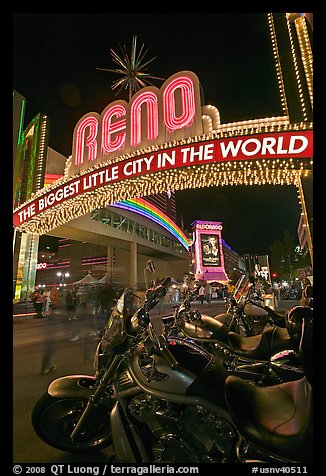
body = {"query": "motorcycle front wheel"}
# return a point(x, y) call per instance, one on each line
point(53, 420)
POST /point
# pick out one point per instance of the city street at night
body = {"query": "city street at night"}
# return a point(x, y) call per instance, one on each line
point(70, 357)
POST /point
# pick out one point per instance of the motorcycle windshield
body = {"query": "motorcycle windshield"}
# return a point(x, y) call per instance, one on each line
point(241, 288)
point(115, 330)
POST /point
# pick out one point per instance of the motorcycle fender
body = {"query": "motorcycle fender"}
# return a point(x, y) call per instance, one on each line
point(72, 386)
point(122, 449)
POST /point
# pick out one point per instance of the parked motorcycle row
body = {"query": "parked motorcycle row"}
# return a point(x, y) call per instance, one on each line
point(201, 391)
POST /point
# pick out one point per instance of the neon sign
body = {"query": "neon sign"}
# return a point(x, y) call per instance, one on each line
point(208, 226)
point(286, 145)
point(41, 266)
point(164, 139)
point(208, 251)
point(151, 117)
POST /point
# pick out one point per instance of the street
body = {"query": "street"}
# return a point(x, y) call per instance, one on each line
point(31, 338)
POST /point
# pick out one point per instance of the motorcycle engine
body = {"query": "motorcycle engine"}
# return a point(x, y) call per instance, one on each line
point(183, 434)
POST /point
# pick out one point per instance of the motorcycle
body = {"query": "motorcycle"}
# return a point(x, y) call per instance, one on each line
point(162, 400)
point(246, 311)
point(266, 359)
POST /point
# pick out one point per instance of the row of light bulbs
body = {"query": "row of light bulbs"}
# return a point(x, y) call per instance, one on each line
point(179, 179)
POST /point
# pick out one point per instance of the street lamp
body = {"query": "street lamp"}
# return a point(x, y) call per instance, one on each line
point(62, 277)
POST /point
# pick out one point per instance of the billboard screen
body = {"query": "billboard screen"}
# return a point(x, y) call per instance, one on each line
point(210, 250)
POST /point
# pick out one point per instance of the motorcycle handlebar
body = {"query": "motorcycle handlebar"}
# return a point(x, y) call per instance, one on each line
point(158, 291)
point(140, 317)
point(166, 281)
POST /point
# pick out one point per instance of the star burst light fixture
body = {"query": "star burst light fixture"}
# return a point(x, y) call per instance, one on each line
point(132, 69)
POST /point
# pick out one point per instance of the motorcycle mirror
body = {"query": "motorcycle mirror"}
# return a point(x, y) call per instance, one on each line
point(150, 266)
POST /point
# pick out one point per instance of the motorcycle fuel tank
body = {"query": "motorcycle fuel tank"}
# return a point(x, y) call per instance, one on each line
point(153, 373)
point(252, 310)
point(207, 328)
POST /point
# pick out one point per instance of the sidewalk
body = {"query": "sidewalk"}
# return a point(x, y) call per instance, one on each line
point(22, 313)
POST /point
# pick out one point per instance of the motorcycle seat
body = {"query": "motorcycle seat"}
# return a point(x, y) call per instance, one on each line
point(262, 346)
point(278, 318)
point(277, 418)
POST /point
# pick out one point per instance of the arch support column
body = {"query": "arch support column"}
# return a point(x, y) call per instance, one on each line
point(133, 265)
point(109, 266)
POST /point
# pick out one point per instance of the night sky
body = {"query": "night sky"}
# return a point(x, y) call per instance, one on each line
point(55, 56)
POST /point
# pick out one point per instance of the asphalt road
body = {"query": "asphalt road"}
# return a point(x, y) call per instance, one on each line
point(70, 357)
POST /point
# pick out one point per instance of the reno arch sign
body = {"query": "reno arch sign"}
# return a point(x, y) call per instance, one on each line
point(153, 116)
point(149, 146)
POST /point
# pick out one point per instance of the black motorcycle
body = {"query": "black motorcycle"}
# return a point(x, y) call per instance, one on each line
point(268, 358)
point(246, 311)
point(164, 400)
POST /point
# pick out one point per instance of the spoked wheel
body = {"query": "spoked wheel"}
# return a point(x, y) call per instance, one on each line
point(54, 419)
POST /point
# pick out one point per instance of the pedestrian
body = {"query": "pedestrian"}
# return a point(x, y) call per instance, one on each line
point(307, 293)
point(33, 298)
point(105, 301)
point(46, 363)
point(208, 293)
point(71, 303)
point(201, 293)
point(47, 301)
point(39, 303)
point(71, 306)
point(54, 296)
point(214, 293)
point(230, 288)
point(49, 339)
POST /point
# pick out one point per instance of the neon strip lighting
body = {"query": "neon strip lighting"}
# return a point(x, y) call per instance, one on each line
point(53, 176)
point(109, 128)
point(150, 99)
point(172, 121)
point(88, 142)
point(55, 267)
point(146, 209)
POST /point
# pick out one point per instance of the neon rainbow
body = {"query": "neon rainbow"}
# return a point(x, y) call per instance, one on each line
point(146, 209)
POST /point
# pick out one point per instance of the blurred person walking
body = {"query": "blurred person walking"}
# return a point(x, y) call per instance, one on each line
point(49, 336)
point(39, 304)
point(201, 294)
point(71, 303)
point(54, 296)
point(208, 293)
point(105, 300)
point(47, 301)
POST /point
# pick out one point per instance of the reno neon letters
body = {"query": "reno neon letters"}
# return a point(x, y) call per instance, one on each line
point(153, 116)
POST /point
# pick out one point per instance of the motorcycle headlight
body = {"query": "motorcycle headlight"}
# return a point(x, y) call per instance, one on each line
point(102, 359)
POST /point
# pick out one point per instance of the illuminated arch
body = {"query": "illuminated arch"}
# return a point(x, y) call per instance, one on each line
point(67, 199)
